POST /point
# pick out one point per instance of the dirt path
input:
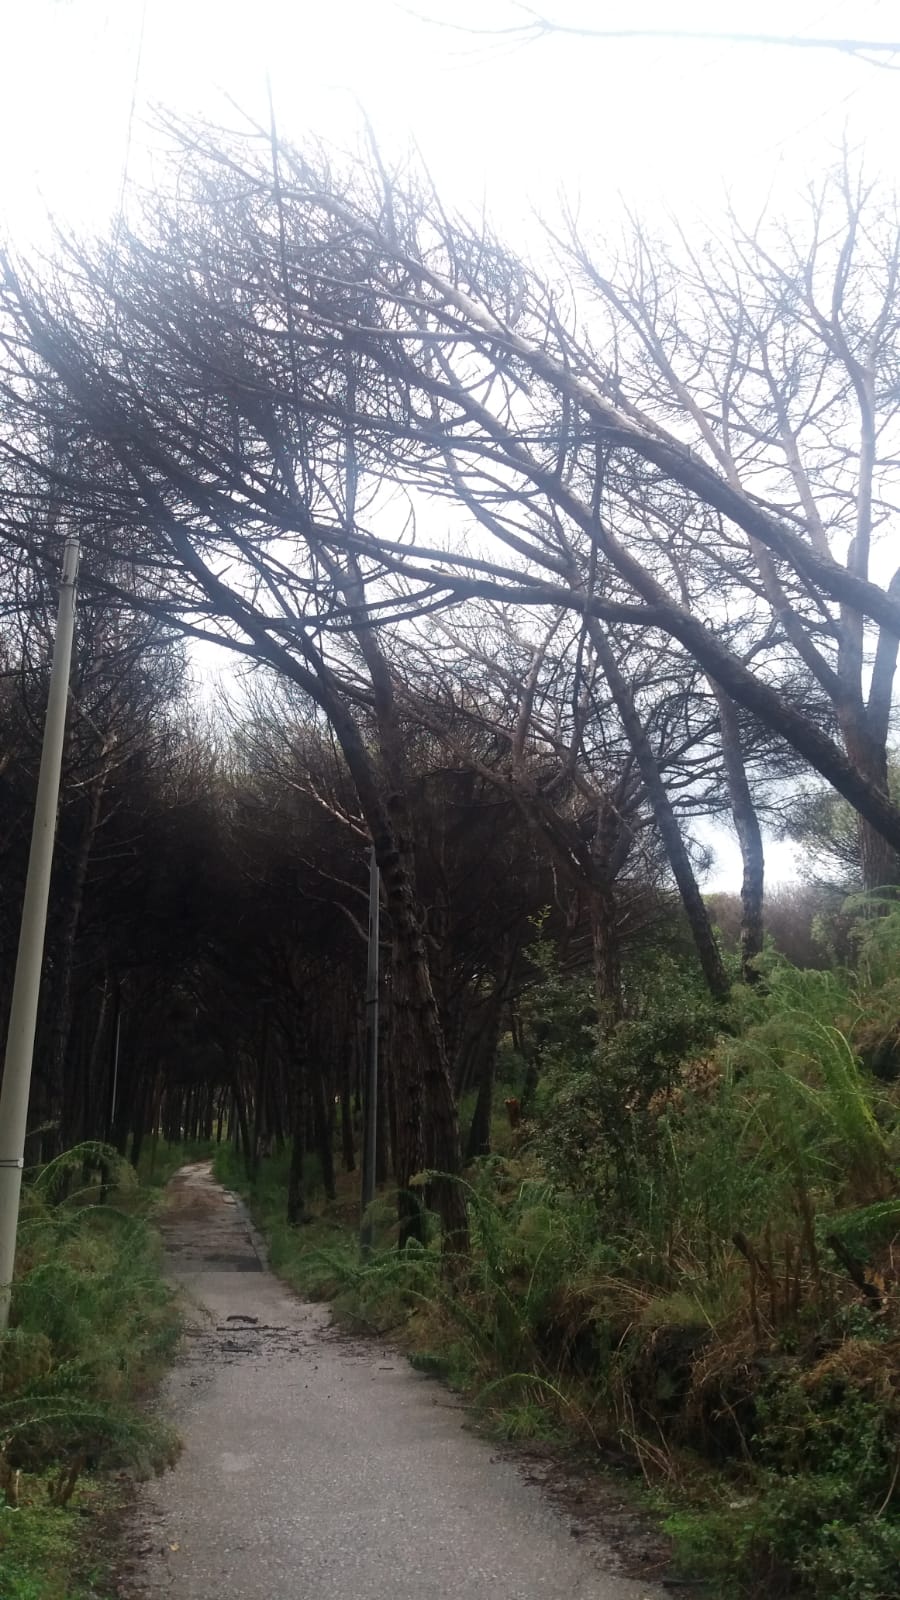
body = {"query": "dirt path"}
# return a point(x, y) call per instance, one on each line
point(320, 1469)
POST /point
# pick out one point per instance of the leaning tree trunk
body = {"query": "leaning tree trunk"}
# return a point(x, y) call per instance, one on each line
point(878, 859)
point(666, 821)
point(747, 827)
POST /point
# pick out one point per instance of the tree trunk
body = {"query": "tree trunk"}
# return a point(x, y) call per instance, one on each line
point(348, 1145)
point(259, 1098)
point(490, 1020)
point(421, 1062)
point(878, 859)
point(296, 1199)
point(93, 1110)
point(242, 1132)
point(323, 1128)
point(427, 1123)
point(65, 956)
point(666, 821)
point(606, 955)
point(747, 827)
point(384, 1146)
point(479, 1140)
point(139, 1125)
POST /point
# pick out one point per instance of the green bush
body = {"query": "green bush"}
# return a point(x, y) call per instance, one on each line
point(43, 1554)
point(160, 1159)
point(593, 1125)
point(92, 1325)
point(661, 1259)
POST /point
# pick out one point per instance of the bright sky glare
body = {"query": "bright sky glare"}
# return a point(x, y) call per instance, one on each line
point(512, 124)
point(665, 125)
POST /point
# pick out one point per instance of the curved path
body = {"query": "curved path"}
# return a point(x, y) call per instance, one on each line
point(319, 1468)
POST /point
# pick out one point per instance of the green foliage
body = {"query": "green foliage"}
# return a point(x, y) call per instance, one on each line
point(814, 1116)
point(160, 1159)
point(661, 1259)
point(827, 1444)
point(92, 1326)
point(816, 1517)
point(46, 1552)
point(592, 1106)
point(866, 1230)
point(267, 1190)
point(828, 827)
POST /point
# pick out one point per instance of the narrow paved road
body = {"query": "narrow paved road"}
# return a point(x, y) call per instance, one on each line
point(316, 1468)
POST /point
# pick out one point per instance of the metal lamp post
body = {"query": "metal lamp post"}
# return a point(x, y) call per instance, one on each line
point(29, 961)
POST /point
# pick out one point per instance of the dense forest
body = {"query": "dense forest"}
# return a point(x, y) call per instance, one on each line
point(522, 581)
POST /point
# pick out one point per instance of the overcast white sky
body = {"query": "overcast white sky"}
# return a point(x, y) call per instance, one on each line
point(664, 124)
point(660, 121)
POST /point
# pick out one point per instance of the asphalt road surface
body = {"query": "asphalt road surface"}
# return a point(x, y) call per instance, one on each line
point(320, 1468)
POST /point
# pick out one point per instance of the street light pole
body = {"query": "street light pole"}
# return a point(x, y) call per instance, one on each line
point(370, 1095)
point(29, 961)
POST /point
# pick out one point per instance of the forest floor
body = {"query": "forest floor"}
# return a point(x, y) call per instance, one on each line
point(316, 1464)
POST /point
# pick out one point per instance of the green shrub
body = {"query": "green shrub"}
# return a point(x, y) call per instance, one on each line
point(92, 1325)
point(671, 1257)
point(43, 1551)
point(160, 1159)
point(594, 1130)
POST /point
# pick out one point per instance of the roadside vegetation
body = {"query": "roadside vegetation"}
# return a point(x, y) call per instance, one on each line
point(687, 1255)
point(92, 1328)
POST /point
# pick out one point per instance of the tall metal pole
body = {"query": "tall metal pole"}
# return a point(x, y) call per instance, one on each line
point(370, 1094)
point(29, 961)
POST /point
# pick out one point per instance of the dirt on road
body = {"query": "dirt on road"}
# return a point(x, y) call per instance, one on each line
point(321, 1468)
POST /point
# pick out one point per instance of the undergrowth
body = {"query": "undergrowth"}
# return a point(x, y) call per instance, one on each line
point(160, 1159)
point(692, 1254)
point(51, 1552)
point(92, 1326)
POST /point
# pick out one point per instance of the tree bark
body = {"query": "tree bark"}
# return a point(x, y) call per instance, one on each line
point(323, 1128)
point(878, 858)
point(242, 1131)
point(666, 821)
point(259, 1098)
point(606, 956)
point(747, 827)
point(348, 1144)
point(490, 1022)
point(62, 1016)
point(296, 1199)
